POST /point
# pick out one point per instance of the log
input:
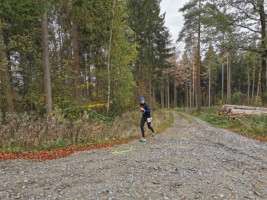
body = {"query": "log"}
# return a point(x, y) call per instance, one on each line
point(244, 107)
point(248, 112)
point(232, 111)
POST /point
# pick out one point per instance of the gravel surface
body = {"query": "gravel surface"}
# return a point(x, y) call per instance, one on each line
point(187, 161)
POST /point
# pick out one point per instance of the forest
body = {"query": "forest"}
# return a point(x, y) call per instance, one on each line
point(227, 42)
point(101, 56)
point(67, 59)
point(80, 55)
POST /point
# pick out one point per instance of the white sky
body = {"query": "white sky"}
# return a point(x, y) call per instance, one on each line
point(173, 20)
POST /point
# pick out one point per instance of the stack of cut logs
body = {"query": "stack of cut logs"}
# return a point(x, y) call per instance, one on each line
point(232, 111)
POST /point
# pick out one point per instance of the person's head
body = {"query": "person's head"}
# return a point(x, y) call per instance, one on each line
point(142, 100)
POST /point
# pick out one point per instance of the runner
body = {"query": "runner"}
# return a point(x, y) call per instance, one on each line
point(146, 117)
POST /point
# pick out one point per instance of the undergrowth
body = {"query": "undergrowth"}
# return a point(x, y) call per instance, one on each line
point(27, 132)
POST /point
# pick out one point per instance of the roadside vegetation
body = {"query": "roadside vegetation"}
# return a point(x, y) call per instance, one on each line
point(253, 126)
point(25, 132)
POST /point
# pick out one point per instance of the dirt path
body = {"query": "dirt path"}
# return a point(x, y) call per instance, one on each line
point(188, 161)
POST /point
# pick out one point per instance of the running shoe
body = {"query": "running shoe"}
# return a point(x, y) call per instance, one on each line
point(143, 139)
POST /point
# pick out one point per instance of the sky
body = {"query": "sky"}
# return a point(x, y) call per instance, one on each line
point(173, 19)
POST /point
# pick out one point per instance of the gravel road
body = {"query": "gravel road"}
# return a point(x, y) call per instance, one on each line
point(188, 161)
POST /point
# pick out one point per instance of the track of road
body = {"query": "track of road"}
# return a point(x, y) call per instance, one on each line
point(188, 161)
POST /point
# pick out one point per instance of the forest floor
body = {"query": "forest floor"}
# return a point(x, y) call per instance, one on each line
point(190, 160)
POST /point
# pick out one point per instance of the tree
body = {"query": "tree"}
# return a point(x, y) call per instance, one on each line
point(193, 75)
point(250, 16)
point(5, 73)
point(46, 64)
point(199, 63)
point(122, 54)
point(15, 18)
point(109, 52)
point(192, 14)
point(78, 42)
point(180, 71)
point(154, 49)
point(76, 57)
point(228, 79)
point(211, 65)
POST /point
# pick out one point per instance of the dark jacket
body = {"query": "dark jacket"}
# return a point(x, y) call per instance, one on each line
point(146, 113)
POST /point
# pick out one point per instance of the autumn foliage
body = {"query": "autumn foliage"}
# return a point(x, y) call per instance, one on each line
point(59, 152)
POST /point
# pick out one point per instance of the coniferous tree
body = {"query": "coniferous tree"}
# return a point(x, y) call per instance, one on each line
point(154, 42)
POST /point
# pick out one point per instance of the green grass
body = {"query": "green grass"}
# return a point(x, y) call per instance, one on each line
point(255, 126)
point(185, 117)
point(169, 121)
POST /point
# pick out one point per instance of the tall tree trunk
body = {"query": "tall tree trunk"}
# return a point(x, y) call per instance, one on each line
point(248, 86)
point(77, 90)
point(263, 83)
point(222, 83)
point(5, 74)
point(266, 75)
point(175, 93)
point(259, 84)
point(194, 76)
point(168, 90)
point(89, 82)
point(253, 85)
point(162, 94)
point(209, 86)
point(228, 80)
point(87, 76)
point(47, 66)
point(264, 53)
point(239, 85)
point(60, 54)
point(198, 70)
point(166, 95)
point(187, 95)
point(109, 54)
point(169, 99)
point(190, 94)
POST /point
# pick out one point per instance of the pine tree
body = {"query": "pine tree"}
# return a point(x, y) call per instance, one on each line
point(211, 65)
point(154, 48)
point(192, 14)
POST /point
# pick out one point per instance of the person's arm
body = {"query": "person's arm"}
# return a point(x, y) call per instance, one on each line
point(147, 110)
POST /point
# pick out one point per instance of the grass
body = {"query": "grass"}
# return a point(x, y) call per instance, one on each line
point(185, 117)
point(253, 126)
point(166, 123)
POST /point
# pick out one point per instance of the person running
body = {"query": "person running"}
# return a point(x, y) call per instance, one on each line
point(146, 117)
